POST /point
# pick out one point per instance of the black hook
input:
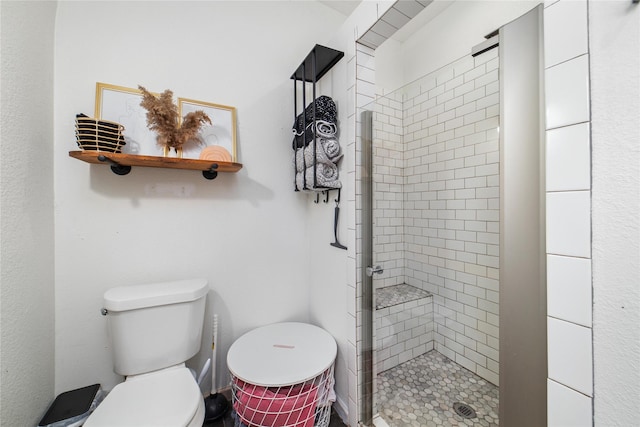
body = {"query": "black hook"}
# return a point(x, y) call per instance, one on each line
point(326, 196)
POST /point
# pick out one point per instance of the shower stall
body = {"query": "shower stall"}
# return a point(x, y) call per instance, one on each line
point(453, 273)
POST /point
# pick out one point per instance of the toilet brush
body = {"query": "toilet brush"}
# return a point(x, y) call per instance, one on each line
point(215, 405)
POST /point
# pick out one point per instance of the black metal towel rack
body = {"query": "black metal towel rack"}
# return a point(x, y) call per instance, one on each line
point(316, 64)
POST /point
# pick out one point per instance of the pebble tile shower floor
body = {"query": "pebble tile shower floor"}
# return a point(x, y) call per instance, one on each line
point(422, 391)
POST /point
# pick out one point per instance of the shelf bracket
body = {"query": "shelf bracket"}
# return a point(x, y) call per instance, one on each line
point(212, 173)
point(116, 167)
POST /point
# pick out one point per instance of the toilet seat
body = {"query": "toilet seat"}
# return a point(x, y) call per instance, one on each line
point(170, 397)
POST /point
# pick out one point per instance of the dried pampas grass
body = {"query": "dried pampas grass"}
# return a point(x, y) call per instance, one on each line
point(163, 118)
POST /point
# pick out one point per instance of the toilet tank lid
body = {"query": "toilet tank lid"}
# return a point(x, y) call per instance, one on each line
point(140, 296)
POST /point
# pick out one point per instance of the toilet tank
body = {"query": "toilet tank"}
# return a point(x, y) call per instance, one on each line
point(155, 326)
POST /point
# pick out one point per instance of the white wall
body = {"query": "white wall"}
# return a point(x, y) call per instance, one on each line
point(248, 233)
point(443, 39)
point(327, 265)
point(614, 43)
point(26, 211)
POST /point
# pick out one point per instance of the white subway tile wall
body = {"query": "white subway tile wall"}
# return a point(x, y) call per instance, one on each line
point(569, 296)
point(388, 190)
point(403, 331)
point(360, 94)
point(437, 206)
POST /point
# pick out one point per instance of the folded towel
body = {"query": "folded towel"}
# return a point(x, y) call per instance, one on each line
point(331, 146)
point(304, 156)
point(325, 110)
point(321, 129)
point(326, 129)
point(326, 175)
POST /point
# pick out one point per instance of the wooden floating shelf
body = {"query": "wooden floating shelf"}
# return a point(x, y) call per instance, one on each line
point(121, 163)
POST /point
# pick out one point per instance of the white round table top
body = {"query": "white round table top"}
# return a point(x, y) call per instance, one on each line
point(281, 354)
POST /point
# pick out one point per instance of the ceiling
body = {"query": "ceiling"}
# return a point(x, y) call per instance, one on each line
point(346, 7)
point(343, 6)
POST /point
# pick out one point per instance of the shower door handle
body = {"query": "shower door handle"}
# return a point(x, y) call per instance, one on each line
point(374, 270)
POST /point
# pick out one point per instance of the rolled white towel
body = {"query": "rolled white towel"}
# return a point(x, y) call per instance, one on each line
point(326, 129)
point(326, 176)
point(331, 147)
point(319, 128)
point(304, 156)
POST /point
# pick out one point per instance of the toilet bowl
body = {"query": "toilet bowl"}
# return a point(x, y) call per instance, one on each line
point(154, 329)
point(169, 397)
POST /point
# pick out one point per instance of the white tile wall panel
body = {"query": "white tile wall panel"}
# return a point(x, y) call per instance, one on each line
point(570, 359)
point(568, 158)
point(466, 363)
point(569, 223)
point(569, 289)
point(489, 374)
point(565, 31)
point(488, 329)
point(567, 407)
point(567, 93)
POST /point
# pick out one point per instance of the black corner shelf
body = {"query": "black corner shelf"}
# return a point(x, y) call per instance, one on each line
point(325, 58)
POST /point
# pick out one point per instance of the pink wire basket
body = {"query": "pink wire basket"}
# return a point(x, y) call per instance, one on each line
point(306, 404)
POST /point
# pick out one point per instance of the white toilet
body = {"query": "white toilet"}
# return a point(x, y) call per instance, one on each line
point(154, 329)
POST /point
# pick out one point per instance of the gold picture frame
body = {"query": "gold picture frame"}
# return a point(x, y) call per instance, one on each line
point(122, 105)
point(221, 133)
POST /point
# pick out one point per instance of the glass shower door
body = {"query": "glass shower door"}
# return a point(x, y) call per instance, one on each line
point(434, 167)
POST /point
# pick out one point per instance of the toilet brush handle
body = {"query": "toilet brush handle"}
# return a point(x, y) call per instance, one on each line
point(205, 370)
point(213, 354)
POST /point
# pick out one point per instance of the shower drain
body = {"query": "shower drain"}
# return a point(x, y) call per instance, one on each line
point(464, 410)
